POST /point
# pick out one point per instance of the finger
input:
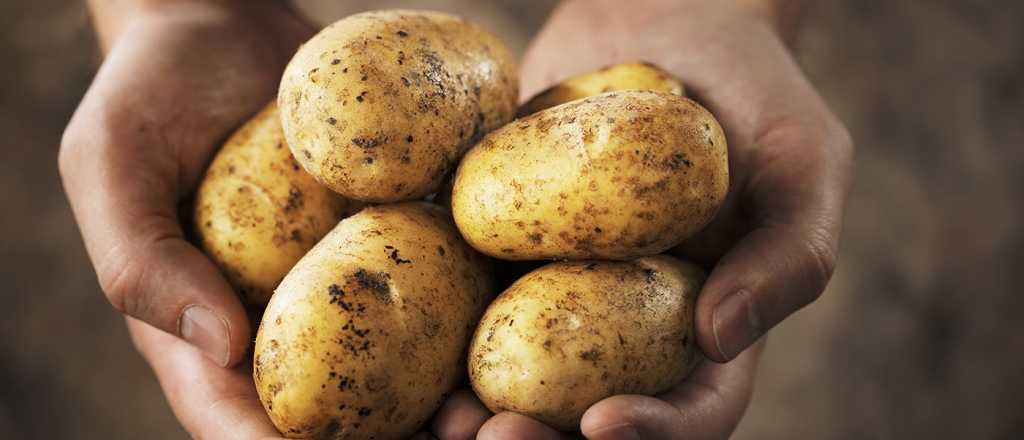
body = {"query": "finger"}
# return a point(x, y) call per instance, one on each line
point(124, 195)
point(786, 259)
point(210, 401)
point(771, 273)
point(512, 426)
point(461, 416)
point(707, 405)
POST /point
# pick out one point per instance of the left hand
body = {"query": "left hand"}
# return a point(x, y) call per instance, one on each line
point(772, 245)
point(210, 401)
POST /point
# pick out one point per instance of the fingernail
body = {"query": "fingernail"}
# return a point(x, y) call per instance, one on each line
point(736, 324)
point(207, 332)
point(621, 431)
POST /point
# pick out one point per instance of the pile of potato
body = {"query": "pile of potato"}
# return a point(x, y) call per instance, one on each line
point(332, 205)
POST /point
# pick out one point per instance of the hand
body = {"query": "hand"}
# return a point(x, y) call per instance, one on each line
point(772, 247)
point(179, 77)
point(210, 401)
point(707, 405)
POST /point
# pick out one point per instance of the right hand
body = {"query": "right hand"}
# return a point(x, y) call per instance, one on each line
point(772, 246)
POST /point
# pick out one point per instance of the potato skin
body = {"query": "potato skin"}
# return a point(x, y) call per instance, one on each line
point(257, 212)
point(636, 75)
point(569, 334)
point(380, 106)
point(367, 333)
point(614, 176)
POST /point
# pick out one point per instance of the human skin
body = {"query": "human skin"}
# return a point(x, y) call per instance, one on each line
point(772, 247)
point(179, 76)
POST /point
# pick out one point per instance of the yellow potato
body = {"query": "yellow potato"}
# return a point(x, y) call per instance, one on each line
point(381, 105)
point(569, 334)
point(614, 176)
point(636, 75)
point(368, 332)
point(257, 212)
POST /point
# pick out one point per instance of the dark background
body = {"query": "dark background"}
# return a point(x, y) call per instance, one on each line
point(918, 336)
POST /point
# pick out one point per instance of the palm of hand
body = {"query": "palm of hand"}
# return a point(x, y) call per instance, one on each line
point(773, 243)
point(200, 79)
point(174, 85)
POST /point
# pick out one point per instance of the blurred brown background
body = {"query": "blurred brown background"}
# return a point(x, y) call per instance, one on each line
point(918, 335)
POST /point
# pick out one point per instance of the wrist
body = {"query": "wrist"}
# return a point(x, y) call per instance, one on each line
point(111, 17)
point(781, 16)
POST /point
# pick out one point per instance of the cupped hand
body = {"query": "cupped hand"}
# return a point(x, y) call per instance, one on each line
point(771, 248)
point(178, 79)
point(210, 401)
point(707, 405)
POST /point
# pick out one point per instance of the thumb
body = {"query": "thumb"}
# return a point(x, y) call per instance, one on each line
point(123, 191)
point(771, 273)
point(706, 405)
point(784, 262)
point(210, 402)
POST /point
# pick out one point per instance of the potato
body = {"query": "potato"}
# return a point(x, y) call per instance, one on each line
point(569, 334)
point(367, 333)
point(381, 105)
point(636, 75)
point(257, 212)
point(614, 176)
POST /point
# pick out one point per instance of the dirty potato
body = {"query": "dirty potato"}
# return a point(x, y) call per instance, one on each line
point(367, 333)
point(569, 334)
point(257, 212)
point(636, 75)
point(381, 105)
point(614, 176)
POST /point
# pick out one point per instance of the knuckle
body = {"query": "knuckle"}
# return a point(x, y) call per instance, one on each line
point(787, 131)
point(843, 144)
point(88, 137)
point(820, 258)
point(789, 151)
point(69, 152)
point(121, 276)
point(846, 141)
point(826, 135)
point(130, 272)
